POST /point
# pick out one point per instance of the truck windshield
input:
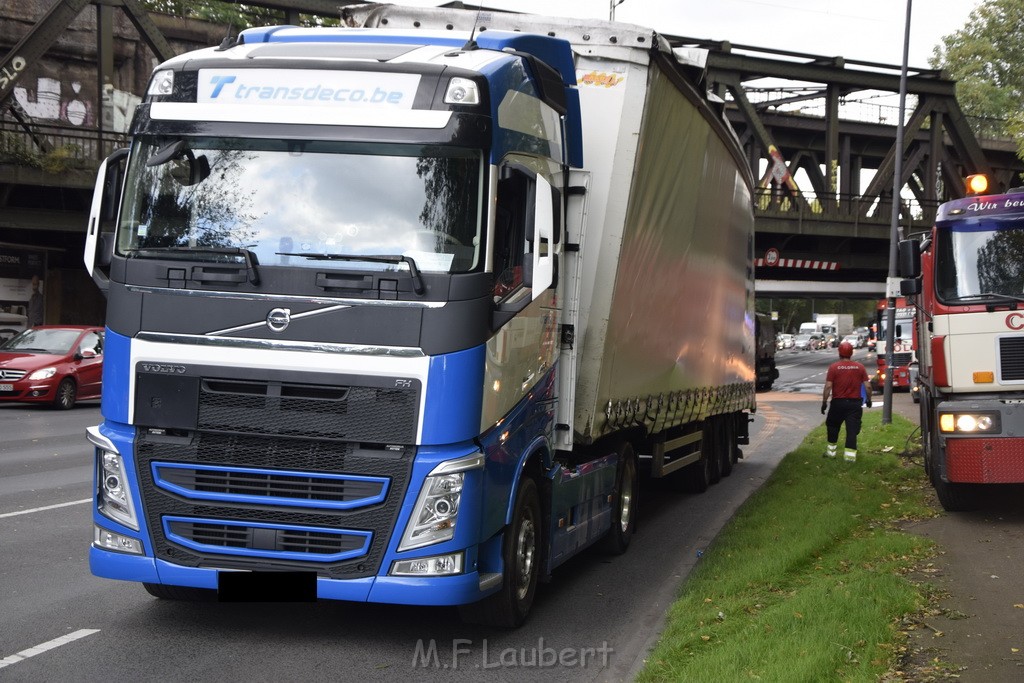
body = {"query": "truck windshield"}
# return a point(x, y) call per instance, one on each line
point(282, 200)
point(980, 259)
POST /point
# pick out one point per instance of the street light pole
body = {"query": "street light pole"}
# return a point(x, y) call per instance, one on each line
point(894, 231)
point(612, 4)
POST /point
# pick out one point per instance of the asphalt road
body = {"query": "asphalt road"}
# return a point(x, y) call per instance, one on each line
point(595, 621)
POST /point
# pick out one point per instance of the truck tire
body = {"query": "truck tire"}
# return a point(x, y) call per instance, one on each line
point(521, 554)
point(706, 471)
point(713, 447)
point(624, 503)
point(955, 497)
point(728, 446)
point(180, 593)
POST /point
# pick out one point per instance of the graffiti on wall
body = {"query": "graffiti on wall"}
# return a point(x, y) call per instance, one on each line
point(51, 101)
point(51, 104)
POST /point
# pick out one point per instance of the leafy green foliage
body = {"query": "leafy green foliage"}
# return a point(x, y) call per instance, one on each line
point(238, 15)
point(986, 57)
point(807, 582)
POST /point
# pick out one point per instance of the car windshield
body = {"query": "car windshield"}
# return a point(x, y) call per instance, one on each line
point(803, 338)
point(980, 258)
point(287, 202)
point(36, 340)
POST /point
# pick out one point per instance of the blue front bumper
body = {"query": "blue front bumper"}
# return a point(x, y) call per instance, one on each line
point(439, 590)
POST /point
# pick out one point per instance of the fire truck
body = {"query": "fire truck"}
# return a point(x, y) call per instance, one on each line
point(904, 345)
point(967, 280)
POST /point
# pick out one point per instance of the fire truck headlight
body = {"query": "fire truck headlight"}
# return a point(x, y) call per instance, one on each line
point(969, 423)
point(436, 511)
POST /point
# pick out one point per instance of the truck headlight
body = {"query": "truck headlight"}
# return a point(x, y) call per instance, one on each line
point(969, 423)
point(113, 493)
point(43, 373)
point(462, 91)
point(436, 511)
point(162, 83)
point(441, 565)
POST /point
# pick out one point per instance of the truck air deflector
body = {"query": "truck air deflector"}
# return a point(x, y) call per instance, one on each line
point(317, 544)
point(454, 396)
point(269, 486)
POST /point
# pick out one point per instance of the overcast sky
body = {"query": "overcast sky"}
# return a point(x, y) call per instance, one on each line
point(868, 30)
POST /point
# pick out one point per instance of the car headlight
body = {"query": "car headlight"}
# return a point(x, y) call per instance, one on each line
point(113, 492)
point(436, 512)
point(970, 423)
point(43, 373)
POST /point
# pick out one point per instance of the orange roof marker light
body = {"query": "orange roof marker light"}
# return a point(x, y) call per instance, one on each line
point(977, 184)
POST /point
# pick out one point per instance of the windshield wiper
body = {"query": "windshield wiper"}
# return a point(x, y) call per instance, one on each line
point(417, 279)
point(989, 295)
point(247, 255)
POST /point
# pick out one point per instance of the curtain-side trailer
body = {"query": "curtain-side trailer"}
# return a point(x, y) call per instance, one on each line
point(397, 311)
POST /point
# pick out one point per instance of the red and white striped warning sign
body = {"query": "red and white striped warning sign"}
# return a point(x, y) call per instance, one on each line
point(797, 263)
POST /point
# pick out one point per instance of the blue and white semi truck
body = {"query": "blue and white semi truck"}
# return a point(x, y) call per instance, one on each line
point(397, 311)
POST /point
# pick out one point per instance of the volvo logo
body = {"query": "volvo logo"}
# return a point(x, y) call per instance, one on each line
point(163, 369)
point(278, 319)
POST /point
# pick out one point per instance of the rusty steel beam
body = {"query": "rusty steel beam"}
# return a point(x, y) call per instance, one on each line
point(35, 43)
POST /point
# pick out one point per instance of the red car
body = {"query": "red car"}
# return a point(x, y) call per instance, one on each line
point(55, 364)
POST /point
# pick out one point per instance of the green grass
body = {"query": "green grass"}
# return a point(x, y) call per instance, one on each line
point(807, 581)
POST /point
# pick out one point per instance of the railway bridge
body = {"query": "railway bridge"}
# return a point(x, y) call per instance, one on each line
point(818, 131)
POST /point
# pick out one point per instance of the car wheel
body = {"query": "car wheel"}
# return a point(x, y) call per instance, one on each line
point(67, 393)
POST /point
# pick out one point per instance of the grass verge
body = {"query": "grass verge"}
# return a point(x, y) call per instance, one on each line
point(807, 581)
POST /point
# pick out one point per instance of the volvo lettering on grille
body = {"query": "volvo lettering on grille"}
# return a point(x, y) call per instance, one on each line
point(163, 368)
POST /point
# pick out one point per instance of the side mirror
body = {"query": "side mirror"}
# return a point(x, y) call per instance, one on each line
point(908, 263)
point(105, 199)
point(85, 354)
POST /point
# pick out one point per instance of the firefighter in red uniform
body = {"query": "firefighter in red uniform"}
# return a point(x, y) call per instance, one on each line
point(847, 382)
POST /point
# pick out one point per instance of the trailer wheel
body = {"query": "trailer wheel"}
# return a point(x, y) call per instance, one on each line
point(701, 474)
point(521, 554)
point(715, 451)
point(180, 593)
point(623, 504)
point(728, 446)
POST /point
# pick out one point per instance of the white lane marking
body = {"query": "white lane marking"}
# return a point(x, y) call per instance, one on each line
point(45, 507)
point(49, 645)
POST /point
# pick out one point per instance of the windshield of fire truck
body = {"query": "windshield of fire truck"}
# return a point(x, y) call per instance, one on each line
point(980, 257)
point(283, 200)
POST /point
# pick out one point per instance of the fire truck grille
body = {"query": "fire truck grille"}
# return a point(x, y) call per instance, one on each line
point(1011, 358)
point(901, 358)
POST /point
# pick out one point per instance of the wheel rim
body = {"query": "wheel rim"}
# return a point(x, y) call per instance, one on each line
point(525, 549)
point(626, 505)
point(67, 391)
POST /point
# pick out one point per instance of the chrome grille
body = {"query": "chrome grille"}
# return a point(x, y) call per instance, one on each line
point(11, 375)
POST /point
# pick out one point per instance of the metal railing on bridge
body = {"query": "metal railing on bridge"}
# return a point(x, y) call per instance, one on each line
point(840, 208)
point(55, 148)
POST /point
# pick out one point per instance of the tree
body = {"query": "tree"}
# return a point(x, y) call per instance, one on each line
point(986, 58)
point(238, 15)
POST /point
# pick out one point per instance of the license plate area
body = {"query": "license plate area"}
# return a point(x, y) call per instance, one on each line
point(6, 387)
point(266, 586)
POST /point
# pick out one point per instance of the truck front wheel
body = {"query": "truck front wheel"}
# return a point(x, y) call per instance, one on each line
point(521, 553)
point(955, 497)
point(624, 504)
